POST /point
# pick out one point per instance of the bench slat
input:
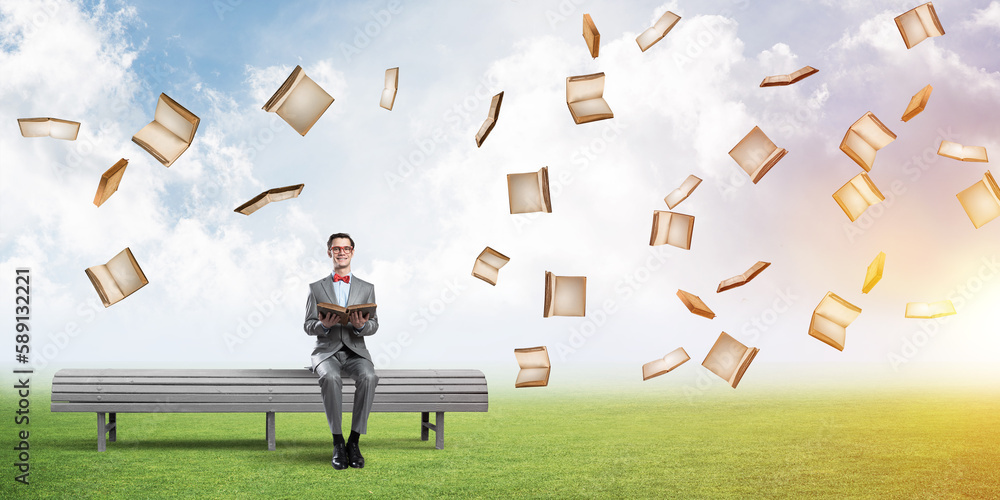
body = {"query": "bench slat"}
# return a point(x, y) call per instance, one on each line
point(311, 380)
point(252, 398)
point(257, 407)
point(249, 372)
point(261, 389)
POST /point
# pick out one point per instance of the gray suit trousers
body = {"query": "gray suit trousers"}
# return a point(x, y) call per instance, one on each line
point(332, 388)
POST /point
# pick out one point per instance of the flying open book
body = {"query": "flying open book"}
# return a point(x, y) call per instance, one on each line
point(276, 194)
point(957, 151)
point(857, 195)
point(565, 295)
point(660, 28)
point(585, 98)
point(929, 310)
point(535, 367)
point(776, 80)
point(981, 200)
point(118, 278)
point(529, 192)
point(343, 313)
point(299, 101)
point(591, 35)
point(491, 119)
point(864, 138)
point(874, 273)
point(742, 279)
point(109, 182)
point(49, 127)
point(729, 359)
point(658, 367)
point(831, 318)
point(170, 133)
point(389, 91)
point(671, 228)
point(488, 264)
point(681, 193)
point(917, 103)
point(695, 304)
point(756, 154)
point(919, 24)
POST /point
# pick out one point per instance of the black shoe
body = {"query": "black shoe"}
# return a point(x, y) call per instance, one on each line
point(354, 453)
point(339, 456)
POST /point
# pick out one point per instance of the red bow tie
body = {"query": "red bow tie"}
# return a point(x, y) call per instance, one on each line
point(345, 279)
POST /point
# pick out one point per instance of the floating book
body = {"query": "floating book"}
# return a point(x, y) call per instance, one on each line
point(742, 279)
point(491, 119)
point(729, 359)
point(109, 182)
point(343, 313)
point(118, 278)
point(660, 28)
point(957, 151)
point(917, 103)
point(671, 228)
point(170, 133)
point(276, 194)
point(695, 304)
point(535, 367)
point(49, 127)
point(591, 35)
point(874, 273)
point(488, 264)
point(299, 101)
point(929, 310)
point(680, 194)
point(529, 192)
point(658, 367)
point(919, 24)
point(857, 195)
point(776, 80)
point(756, 154)
point(585, 98)
point(389, 92)
point(981, 200)
point(865, 137)
point(831, 318)
point(565, 295)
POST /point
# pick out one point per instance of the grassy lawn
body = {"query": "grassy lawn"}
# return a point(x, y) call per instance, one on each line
point(542, 443)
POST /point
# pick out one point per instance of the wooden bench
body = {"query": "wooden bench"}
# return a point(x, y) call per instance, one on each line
point(114, 391)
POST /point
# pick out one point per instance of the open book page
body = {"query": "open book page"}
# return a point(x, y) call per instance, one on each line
point(655, 33)
point(567, 295)
point(302, 104)
point(49, 127)
point(828, 331)
point(919, 24)
point(857, 195)
point(929, 310)
point(681, 193)
point(658, 367)
point(756, 154)
point(957, 151)
point(837, 310)
point(105, 284)
point(389, 91)
point(126, 272)
point(671, 228)
point(726, 358)
point(528, 192)
point(175, 118)
point(534, 366)
point(488, 264)
point(981, 201)
point(160, 142)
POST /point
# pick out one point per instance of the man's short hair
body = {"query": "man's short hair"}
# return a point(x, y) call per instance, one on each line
point(334, 236)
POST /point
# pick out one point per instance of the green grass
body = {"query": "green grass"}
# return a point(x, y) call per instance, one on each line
point(541, 443)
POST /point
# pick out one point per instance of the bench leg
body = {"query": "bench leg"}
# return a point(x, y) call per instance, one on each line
point(437, 427)
point(423, 425)
point(269, 430)
point(101, 429)
point(113, 432)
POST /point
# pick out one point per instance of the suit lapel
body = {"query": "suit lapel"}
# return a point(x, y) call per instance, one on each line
point(354, 296)
point(327, 284)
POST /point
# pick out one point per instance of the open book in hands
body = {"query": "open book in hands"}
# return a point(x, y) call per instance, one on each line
point(343, 313)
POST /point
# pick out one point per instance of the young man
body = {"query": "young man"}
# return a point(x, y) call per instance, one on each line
point(342, 348)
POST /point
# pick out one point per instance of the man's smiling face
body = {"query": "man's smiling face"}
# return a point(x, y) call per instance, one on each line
point(341, 252)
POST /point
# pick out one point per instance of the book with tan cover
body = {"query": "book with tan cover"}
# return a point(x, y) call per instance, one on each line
point(756, 154)
point(585, 98)
point(917, 103)
point(742, 279)
point(343, 314)
point(671, 228)
point(109, 182)
point(857, 195)
point(794, 77)
point(529, 192)
point(389, 90)
point(491, 119)
point(170, 133)
point(488, 264)
point(591, 35)
point(534, 367)
point(271, 195)
point(957, 151)
point(658, 367)
point(681, 193)
point(117, 279)
point(864, 138)
point(831, 318)
point(981, 200)
point(695, 304)
point(929, 310)
point(655, 33)
point(299, 101)
point(919, 24)
point(55, 128)
point(729, 359)
point(565, 295)
point(874, 273)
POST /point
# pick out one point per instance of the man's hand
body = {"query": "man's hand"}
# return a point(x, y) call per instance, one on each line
point(328, 319)
point(357, 320)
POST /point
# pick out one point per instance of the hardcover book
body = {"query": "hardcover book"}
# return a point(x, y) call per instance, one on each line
point(534, 367)
point(491, 119)
point(917, 103)
point(756, 154)
point(565, 295)
point(742, 279)
point(271, 195)
point(957, 151)
point(591, 35)
point(864, 138)
point(831, 318)
point(488, 264)
point(729, 359)
point(857, 195)
point(658, 367)
point(776, 80)
point(981, 200)
point(49, 127)
point(929, 310)
point(170, 133)
point(117, 279)
point(695, 304)
point(874, 273)
point(655, 33)
point(671, 228)
point(529, 192)
point(681, 193)
point(585, 98)
point(109, 182)
point(343, 313)
point(919, 24)
point(389, 90)
point(299, 101)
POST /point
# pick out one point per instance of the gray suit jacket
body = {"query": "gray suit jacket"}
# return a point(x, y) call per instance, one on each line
point(362, 292)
